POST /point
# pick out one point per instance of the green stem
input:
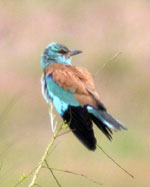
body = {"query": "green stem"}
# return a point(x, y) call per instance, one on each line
point(37, 171)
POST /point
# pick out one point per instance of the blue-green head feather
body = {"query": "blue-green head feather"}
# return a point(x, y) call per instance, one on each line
point(57, 53)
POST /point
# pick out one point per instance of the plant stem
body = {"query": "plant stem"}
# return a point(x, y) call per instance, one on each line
point(52, 174)
point(37, 171)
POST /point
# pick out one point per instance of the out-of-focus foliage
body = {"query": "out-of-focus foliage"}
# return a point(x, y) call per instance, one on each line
point(100, 29)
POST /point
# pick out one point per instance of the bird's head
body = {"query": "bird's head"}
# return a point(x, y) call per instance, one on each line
point(57, 53)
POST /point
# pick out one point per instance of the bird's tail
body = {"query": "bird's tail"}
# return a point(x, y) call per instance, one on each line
point(105, 122)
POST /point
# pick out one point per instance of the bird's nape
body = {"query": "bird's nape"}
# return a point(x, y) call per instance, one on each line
point(57, 53)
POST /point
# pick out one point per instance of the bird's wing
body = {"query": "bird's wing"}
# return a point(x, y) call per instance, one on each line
point(77, 80)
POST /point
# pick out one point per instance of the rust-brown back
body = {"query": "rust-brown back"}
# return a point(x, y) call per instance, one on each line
point(76, 80)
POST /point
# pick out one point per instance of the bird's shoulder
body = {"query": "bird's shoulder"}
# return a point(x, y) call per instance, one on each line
point(69, 77)
point(63, 69)
point(76, 80)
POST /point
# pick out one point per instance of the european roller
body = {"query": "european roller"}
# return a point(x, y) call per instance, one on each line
point(72, 91)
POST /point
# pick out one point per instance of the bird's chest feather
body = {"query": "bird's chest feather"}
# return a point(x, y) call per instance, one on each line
point(60, 97)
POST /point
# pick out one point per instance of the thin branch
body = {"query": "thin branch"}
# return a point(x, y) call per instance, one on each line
point(110, 60)
point(52, 174)
point(64, 133)
point(129, 174)
point(44, 157)
point(74, 173)
point(23, 177)
point(67, 132)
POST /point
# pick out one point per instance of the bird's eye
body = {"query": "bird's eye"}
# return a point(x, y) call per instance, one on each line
point(62, 51)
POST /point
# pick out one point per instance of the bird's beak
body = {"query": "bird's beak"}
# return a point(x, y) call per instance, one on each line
point(75, 52)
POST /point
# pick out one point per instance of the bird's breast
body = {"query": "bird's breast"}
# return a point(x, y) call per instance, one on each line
point(53, 92)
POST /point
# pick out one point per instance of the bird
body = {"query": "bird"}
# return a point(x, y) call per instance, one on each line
point(72, 91)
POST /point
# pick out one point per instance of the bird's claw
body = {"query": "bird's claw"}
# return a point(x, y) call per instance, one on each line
point(65, 125)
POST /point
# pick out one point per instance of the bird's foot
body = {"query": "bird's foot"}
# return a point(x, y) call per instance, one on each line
point(65, 125)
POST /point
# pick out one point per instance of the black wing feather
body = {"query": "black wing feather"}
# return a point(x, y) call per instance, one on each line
point(81, 125)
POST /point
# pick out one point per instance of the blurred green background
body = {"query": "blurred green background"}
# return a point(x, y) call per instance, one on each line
point(101, 29)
